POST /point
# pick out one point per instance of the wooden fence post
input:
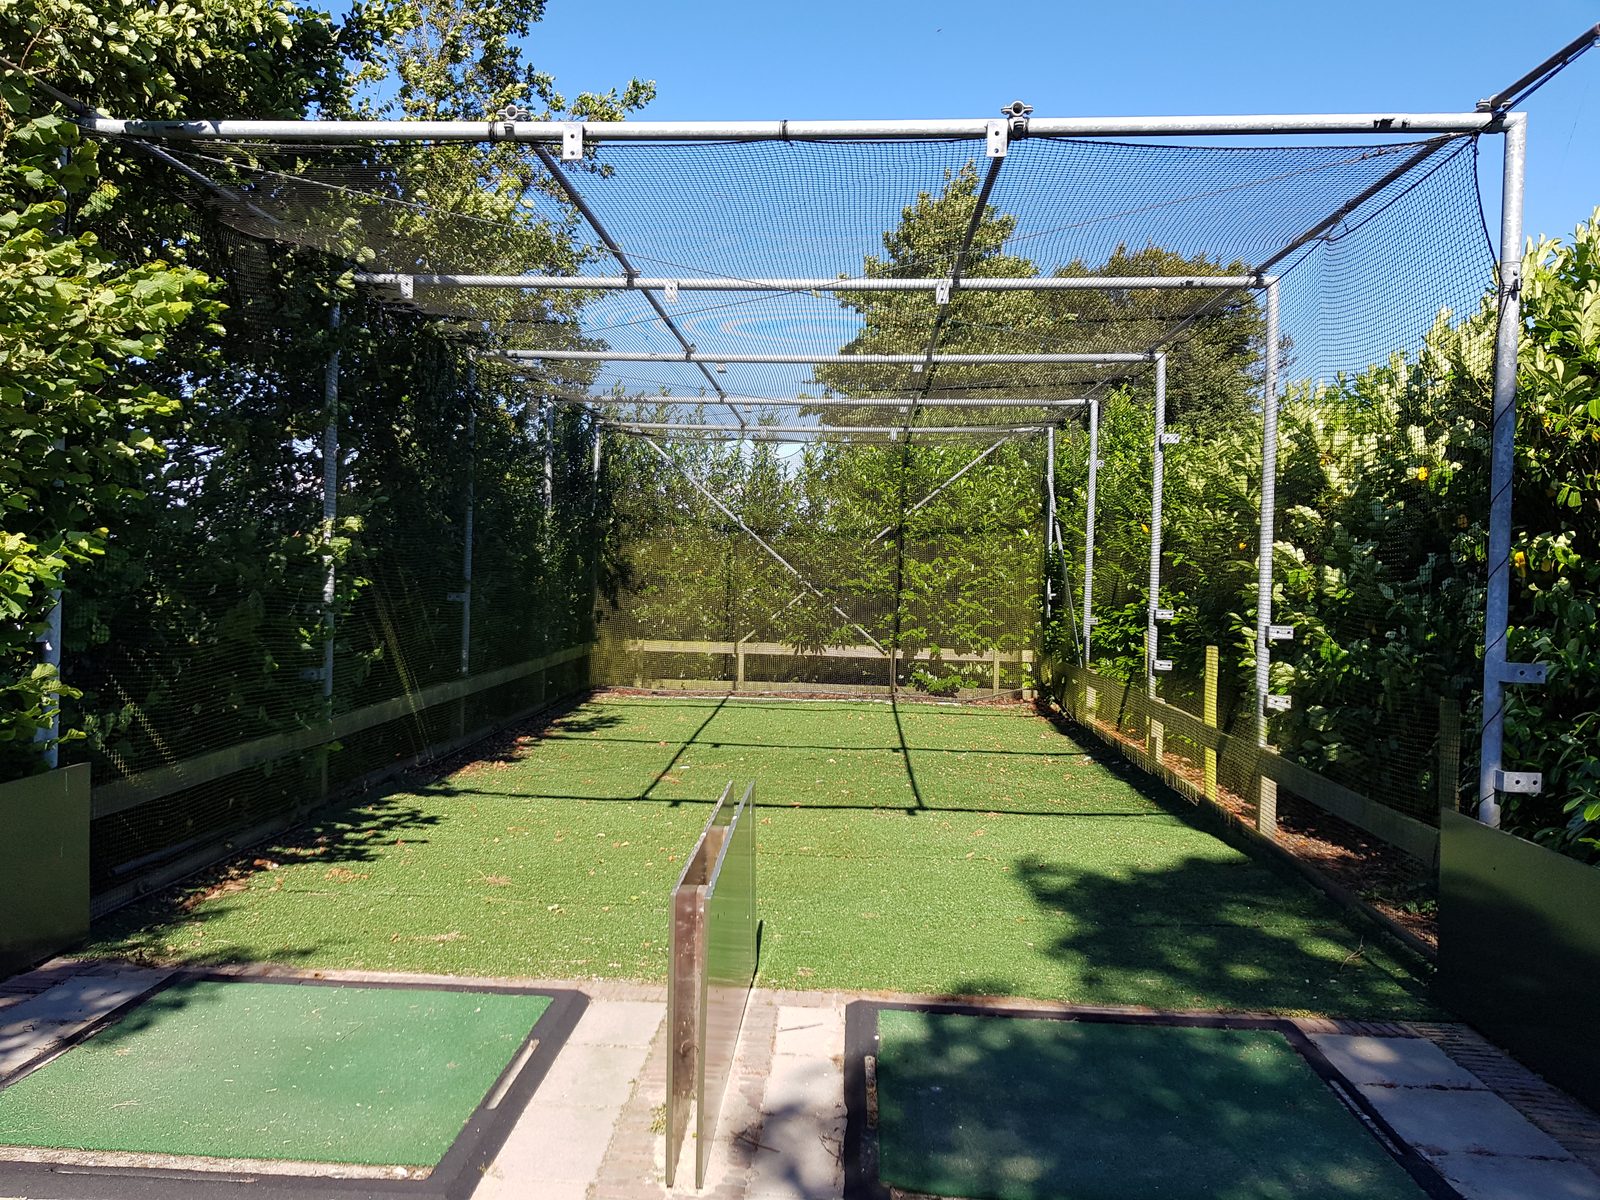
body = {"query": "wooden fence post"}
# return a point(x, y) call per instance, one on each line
point(1266, 805)
point(1210, 754)
point(997, 672)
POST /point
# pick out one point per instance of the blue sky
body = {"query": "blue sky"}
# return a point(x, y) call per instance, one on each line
point(872, 58)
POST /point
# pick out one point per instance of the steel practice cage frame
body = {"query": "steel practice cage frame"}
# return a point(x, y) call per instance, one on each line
point(560, 142)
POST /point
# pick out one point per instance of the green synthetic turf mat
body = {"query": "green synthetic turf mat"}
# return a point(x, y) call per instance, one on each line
point(377, 1076)
point(929, 849)
point(1001, 1108)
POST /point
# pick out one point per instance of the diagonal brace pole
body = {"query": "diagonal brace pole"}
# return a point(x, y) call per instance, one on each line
point(588, 214)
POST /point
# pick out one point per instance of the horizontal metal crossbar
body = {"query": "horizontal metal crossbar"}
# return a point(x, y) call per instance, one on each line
point(753, 430)
point(906, 360)
point(976, 128)
point(829, 402)
point(614, 283)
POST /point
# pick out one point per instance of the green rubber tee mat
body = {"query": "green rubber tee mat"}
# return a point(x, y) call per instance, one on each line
point(316, 1074)
point(1010, 1108)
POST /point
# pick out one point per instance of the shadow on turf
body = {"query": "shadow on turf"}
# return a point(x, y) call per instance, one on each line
point(343, 834)
point(1197, 934)
point(979, 1105)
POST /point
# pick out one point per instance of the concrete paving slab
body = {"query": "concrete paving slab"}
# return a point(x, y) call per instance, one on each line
point(809, 1032)
point(29, 1029)
point(552, 1143)
point(619, 1023)
point(1497, 1177)
point(591, 1076)
point(1461, 1122)
point(1394, 1062)
point(800, 1154)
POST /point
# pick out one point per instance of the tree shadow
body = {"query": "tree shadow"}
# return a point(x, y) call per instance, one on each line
point(997, 1106)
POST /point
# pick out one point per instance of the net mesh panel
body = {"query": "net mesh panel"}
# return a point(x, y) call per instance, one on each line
point(874, 548)
point(803, 567)
point(214, 640)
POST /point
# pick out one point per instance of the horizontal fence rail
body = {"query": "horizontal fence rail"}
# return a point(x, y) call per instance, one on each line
point(1092, 698)
point(741, 651)
point(123, 794)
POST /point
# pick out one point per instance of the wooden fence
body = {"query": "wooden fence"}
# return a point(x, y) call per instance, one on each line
point(742, 651)
point(1102, 704)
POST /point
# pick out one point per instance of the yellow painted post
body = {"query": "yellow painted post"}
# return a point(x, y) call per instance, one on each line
point(1211, 720)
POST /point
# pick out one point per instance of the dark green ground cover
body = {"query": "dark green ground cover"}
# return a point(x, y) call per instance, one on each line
point(925, 848)
point(997, 1108)
point(379, 1076)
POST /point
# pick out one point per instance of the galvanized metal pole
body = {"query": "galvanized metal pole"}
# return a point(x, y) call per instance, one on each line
point(1394, 124)
point(470, 519)
point(330, 497)
point(1157, 484)
point(1502, 450)
point(548, 491)
point(1269, 500)
point(863, 283)
point(1049, 521)
point(1088, 531)
point(49, 734)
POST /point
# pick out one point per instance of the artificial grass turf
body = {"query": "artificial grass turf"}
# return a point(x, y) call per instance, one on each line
point(922, 848)
point(1001, 1108)
point(377, 1076)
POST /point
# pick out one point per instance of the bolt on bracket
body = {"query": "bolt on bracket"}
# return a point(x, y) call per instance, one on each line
point(571, 141)
point(1526, 783)
point(998, 136)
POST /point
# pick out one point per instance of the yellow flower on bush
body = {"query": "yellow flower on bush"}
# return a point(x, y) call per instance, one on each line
point(1521, 560)
point(1244, 545)
point(1422, 474)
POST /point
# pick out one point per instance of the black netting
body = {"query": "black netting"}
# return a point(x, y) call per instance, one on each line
point(808, 524)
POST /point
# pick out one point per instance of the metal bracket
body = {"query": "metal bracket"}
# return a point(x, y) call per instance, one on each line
point(1094, 620)
point(408, 287)
point(1171, 439)
point(941, 293)
point(311, 673)
point(671, 290)
point(999, 135)
point(1522, 672)
point(571, 141)
point(456, 597)
point(1164, 614)
point(1276, 703)
point(1280, 633)
point(1527, 783)
point(1161, 664)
